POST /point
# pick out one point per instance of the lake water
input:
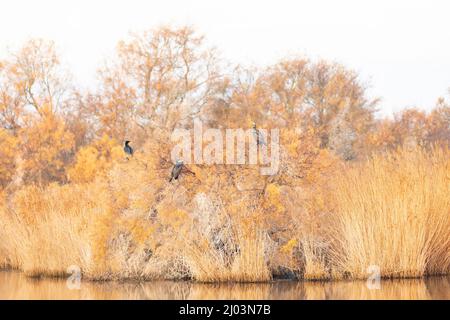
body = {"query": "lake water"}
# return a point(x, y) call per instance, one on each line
point(15, 285)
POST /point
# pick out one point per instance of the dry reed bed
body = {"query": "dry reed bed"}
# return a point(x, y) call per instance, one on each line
point(392, 211)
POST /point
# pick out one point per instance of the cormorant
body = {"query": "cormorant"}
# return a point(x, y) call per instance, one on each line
point(258, 136)
point(176, 170)
point(127, 148)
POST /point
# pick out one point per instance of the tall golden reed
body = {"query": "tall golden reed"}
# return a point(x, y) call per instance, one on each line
point(393, 211)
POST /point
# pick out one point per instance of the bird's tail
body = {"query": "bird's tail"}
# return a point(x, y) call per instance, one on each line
point(170, 180)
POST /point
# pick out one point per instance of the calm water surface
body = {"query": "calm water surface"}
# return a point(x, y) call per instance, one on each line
point(14, 285)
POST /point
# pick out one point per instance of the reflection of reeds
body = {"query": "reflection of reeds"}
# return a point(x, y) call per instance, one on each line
point(358, 290)
point(438, 287)
point(15, 285)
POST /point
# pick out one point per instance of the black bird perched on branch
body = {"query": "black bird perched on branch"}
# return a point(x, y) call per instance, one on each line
point(176, 170)
point(127, 148)
point(258, 135)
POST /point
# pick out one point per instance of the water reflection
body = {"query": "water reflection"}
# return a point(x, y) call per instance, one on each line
point(14, 285)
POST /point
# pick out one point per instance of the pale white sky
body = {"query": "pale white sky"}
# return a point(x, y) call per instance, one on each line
point(402, 48)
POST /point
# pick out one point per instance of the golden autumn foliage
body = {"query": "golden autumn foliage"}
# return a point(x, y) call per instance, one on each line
point(45, 147)
point(94, 160)
point(347, 180)
point(8, 149)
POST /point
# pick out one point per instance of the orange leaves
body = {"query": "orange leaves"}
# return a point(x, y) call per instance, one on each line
point(45, 147)
point(86, 166)
point(289, 246)
point(94, 160)
point(411, 127)
point(273, 202)
point(173, 217)
point(8, 151)
point(139, 230)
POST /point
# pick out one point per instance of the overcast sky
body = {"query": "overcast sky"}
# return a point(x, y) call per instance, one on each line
point(401, 48)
